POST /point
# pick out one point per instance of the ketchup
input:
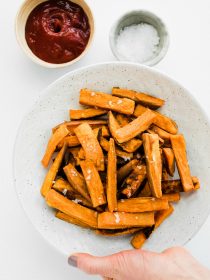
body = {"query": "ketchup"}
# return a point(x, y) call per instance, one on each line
point(57, 31)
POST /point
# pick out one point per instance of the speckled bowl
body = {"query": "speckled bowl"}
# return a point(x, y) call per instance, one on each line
point(136, 17)
point(20, 24)
point(52, 108)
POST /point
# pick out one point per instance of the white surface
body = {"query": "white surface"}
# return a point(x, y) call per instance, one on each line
point(52, 109)
point(23, 253)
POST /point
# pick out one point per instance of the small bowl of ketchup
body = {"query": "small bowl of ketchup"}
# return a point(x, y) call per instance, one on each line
point(55, 33)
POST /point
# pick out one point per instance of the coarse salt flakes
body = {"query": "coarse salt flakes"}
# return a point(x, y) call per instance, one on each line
point(77, 200)
point(117, 218)
point(138, 42)
point(119, 102)
point(64, 192)
point(93, 93)
point(110, 103)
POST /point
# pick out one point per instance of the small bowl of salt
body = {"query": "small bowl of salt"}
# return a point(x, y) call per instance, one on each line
point(139, 36)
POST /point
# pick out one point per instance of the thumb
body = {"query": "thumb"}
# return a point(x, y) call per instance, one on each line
point(103, 266)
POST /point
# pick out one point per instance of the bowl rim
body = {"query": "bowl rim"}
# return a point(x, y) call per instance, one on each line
point(150, 14)
point(46, 64)
point(74, 72)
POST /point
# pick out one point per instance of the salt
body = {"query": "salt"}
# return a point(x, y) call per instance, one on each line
point(138, 42)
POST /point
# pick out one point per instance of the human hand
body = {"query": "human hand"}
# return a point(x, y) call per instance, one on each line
point(174, 264)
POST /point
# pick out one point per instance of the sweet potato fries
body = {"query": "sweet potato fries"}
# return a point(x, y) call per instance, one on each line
point(112, 165)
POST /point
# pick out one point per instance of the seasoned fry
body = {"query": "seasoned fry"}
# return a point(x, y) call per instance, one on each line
point(175, 186)
point(161, 120)
point(116, 220)
point(76, 180)
point(179, 149)
point(135, 127)
point(119, 232)
point(146, 191)
point(153, 163)
point(93, 182)
point(169, 160)
point(145, 99)
point(63, 204)
point(55, 139)
point(105, 145)
point(71, 141)
point(126, 169)
point(142, 204)
point(133, 182)
point(129, 146)
point(51, 174)
point(112, 177)
point(139, 239)
point(90, 145)
point(171, 197)
point(64, 187)
point(71, 125)
point(86, 113)
point(106, 101)
point(71, 220)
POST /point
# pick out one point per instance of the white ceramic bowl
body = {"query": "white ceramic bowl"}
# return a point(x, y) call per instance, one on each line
point(52, 108)
point(20, 23)
point(137, 17)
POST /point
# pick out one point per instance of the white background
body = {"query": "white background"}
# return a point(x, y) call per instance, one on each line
point(23, 253)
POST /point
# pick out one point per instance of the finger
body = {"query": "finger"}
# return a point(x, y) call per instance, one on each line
point(94, 265)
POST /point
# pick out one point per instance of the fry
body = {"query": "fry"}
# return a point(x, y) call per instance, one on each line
point(119, 232)
point(160, 216)
point(61, 203)
point(179, 149)
point(142, 204)
point(169, 160)
point(105, 131)
point(161, 120)
point(76, 180)
point(139, 239)
point(71, 141)
point(55, 139)
point(51, 174)
point(71, 220)
point(112, 177)
point(106, 101)
point(135, 127)
point(116, 220)
point(105, 145)
point(175, 186)
point(64, 187)
point(133, 182)
point(71, 125)
point(85, 113)
point(126, 169)
point(93, 182)
point(153, 163)
point(145, 99)
point(162, 133)
point(90, 145)
point(171, 197)
point(129, 146)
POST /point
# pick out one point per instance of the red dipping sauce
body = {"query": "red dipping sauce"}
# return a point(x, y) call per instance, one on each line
point(57, 31)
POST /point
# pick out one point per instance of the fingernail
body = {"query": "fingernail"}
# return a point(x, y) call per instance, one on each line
point(72, 260)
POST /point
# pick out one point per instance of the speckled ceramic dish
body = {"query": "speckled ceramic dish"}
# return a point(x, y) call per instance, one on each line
point(136, 17)
point(52, 108)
